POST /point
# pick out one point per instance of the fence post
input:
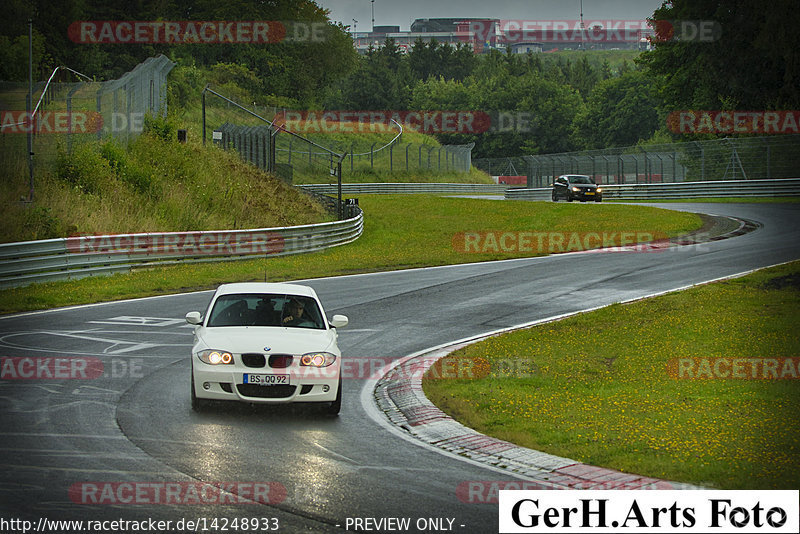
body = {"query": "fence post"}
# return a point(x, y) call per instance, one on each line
point(646, 167)
point(273, 153)
point(766, 141)
point(702, 162)
point(203, 100)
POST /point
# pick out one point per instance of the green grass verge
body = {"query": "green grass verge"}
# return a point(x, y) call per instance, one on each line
point(400, 231)
point(596, 387)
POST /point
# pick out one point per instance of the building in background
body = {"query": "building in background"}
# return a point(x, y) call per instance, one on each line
point(484, 35)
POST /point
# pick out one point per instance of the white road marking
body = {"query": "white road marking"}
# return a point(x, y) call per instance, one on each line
point(131, 320)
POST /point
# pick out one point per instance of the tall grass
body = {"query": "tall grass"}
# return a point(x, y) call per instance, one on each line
point(153, 185)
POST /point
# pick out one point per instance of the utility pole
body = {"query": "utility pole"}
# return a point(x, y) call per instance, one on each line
point(583, 28)
point(373, 15)
point(29, 106)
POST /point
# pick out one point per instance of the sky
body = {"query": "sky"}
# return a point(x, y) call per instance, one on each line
point(403, 12)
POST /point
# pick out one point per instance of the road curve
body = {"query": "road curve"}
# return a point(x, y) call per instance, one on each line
point(61, 439)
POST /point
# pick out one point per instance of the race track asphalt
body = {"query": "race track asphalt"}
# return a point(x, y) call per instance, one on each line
point(134, 423)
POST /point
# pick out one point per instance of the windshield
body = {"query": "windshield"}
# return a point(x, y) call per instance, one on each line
point(580, 180)
point(266, 310)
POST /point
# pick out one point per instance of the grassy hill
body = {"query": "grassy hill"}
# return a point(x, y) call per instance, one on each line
point(157, 184)
point(154, 184)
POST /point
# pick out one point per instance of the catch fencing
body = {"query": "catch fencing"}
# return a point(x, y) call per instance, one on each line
point(311, 158)
point(69, 109)
point(744, 158)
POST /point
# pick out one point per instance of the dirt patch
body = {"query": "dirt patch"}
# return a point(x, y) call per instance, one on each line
point(789, 281)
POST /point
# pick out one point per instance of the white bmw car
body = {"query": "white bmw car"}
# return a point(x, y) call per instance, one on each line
point(266, 343)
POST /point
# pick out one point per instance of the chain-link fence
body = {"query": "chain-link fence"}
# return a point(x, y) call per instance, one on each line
point(746, 158)
point(410, 157)
point(313, 158)
point(69, 110)
point(251, 132)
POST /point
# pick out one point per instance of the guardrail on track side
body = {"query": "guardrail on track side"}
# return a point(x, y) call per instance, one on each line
point(78, 257)
point(407, 188)
point(785, 187)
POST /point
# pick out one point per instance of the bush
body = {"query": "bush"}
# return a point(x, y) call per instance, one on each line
point(160, 127)
point(127, 170)
point(40, 222)
point(84, 169)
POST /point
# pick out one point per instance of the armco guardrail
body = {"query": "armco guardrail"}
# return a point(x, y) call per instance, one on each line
point(78, 257)
point(407, 188)
point(787, 187)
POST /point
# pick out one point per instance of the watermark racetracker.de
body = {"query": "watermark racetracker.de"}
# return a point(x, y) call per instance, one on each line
point(530, 242)
point(177, 493)
point(423, 121)
point(196, 32)
point(69, 368)
point(716, 368)
point(762, 122)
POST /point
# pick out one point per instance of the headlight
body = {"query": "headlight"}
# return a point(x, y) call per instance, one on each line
point(576, 189)
point(599, 190)
point(215, 357)
point(317, 359)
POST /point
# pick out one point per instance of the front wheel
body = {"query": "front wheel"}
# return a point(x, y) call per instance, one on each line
point(336, 405)
point(555, 197)
point(197, 404)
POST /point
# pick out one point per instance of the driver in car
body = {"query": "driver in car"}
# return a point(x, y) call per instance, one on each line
point(294, 316)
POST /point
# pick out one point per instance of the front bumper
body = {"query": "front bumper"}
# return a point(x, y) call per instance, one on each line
point(215, 382)
point(585, 195)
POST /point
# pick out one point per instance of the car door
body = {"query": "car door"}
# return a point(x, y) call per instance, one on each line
point(560, 187)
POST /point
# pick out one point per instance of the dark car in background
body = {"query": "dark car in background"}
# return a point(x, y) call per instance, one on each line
point(576, 187)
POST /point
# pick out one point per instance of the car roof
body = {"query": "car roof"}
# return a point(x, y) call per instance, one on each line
point(574, 175)
point(266, 287)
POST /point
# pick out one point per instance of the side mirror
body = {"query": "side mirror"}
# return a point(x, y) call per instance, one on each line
point(339, 321)
point(194, 318)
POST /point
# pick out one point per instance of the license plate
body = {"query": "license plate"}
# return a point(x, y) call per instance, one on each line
point(590, 192)
point(266, 380)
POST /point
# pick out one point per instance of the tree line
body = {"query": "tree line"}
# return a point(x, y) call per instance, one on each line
point(569, 104)
point(550, 104)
